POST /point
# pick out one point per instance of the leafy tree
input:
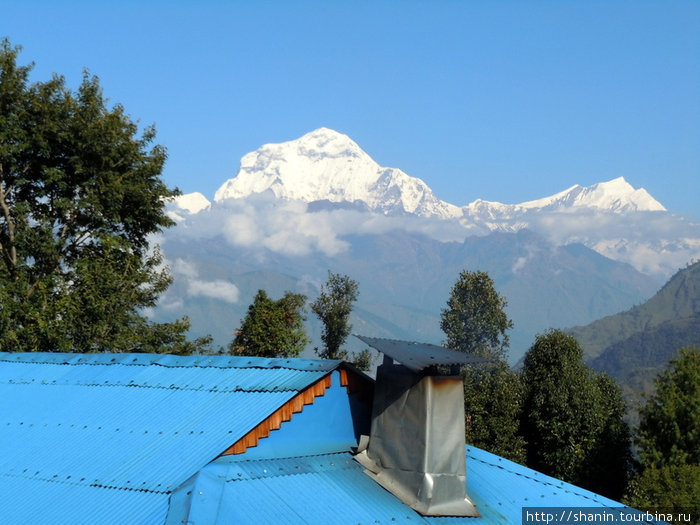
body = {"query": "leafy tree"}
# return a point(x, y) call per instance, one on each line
point(362, 359)
point(475, 321)
point(80, 196)
point(666, 489)
point(272, 328)
point(492, 405)
point(333, 307)
point(669, 440)
point(572, 418)
point(669, 427)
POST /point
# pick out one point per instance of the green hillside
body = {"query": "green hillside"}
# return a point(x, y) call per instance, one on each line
point(677, 303)
point(635, 345)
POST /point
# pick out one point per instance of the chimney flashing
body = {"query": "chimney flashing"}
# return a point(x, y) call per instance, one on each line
point(416, 449)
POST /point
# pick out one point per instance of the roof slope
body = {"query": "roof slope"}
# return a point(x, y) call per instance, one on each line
point(333, 489)
point(119, 432)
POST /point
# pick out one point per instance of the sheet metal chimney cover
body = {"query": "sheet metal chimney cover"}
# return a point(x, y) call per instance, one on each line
point(419, 356)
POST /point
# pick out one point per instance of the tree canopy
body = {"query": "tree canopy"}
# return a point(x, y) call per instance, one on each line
point(475, 321)
point(272, 328)
point(333, 307)
point(669, 440)
point(572, 418)
point(669, 427)
point(80, 196)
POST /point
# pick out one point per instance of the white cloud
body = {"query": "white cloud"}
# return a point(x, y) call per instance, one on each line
point(196, 287)
point(221, 290)
point(263, 224)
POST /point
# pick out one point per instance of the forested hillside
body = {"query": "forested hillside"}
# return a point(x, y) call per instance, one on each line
point(633, 346)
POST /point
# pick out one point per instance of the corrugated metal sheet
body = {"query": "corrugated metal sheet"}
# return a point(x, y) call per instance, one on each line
point(419, 356)
point(121, 432)
point(333, 489)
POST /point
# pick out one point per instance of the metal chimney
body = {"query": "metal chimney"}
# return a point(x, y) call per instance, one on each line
point(416, 446)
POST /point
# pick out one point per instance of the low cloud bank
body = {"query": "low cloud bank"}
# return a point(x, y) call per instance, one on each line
point(653, 242)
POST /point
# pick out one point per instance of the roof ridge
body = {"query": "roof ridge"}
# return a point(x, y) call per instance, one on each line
point(170, 361)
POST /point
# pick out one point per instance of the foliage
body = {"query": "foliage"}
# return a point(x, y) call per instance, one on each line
point(80, 195)
point(667, 489)
point(272, 328)
point(333, 307)
point(572, 418)
point(362, 359)
point(669, 428)
point(493, 401)
point(475, 321)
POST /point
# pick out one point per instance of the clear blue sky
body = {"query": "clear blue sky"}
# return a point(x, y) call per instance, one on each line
point(505, 101)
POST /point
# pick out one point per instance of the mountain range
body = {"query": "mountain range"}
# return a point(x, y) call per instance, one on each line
point(298, 209)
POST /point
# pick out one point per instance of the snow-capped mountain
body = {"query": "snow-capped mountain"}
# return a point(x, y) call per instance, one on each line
point(327, 165)
point(617, 196)
point(187, 204)
point(327, 171)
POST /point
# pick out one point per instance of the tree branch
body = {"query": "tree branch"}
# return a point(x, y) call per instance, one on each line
point(12, 255)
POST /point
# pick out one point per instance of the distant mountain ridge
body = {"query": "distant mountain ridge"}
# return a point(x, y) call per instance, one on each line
point(328, 165)
point(635, 345)
point(327, 170)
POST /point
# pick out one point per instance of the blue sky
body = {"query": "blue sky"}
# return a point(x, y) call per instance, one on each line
point(505, 101)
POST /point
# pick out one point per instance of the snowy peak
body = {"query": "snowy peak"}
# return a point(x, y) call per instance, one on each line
point(187, 204)
point(616, 195)
point(327, 165)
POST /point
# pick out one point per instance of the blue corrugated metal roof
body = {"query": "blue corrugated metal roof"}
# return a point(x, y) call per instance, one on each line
point(122, 431)
point(333, 489)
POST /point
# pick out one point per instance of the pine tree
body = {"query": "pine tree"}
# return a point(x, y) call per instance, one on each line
point(475, 321)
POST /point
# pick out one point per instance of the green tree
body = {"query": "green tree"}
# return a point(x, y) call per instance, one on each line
point(475, 321)
point(669, 440)
point(272, 328)
point(668, 489)
point(333, 307)
point(572, 418)
point(492, 405)
point(80, 196)
point(669, 427)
